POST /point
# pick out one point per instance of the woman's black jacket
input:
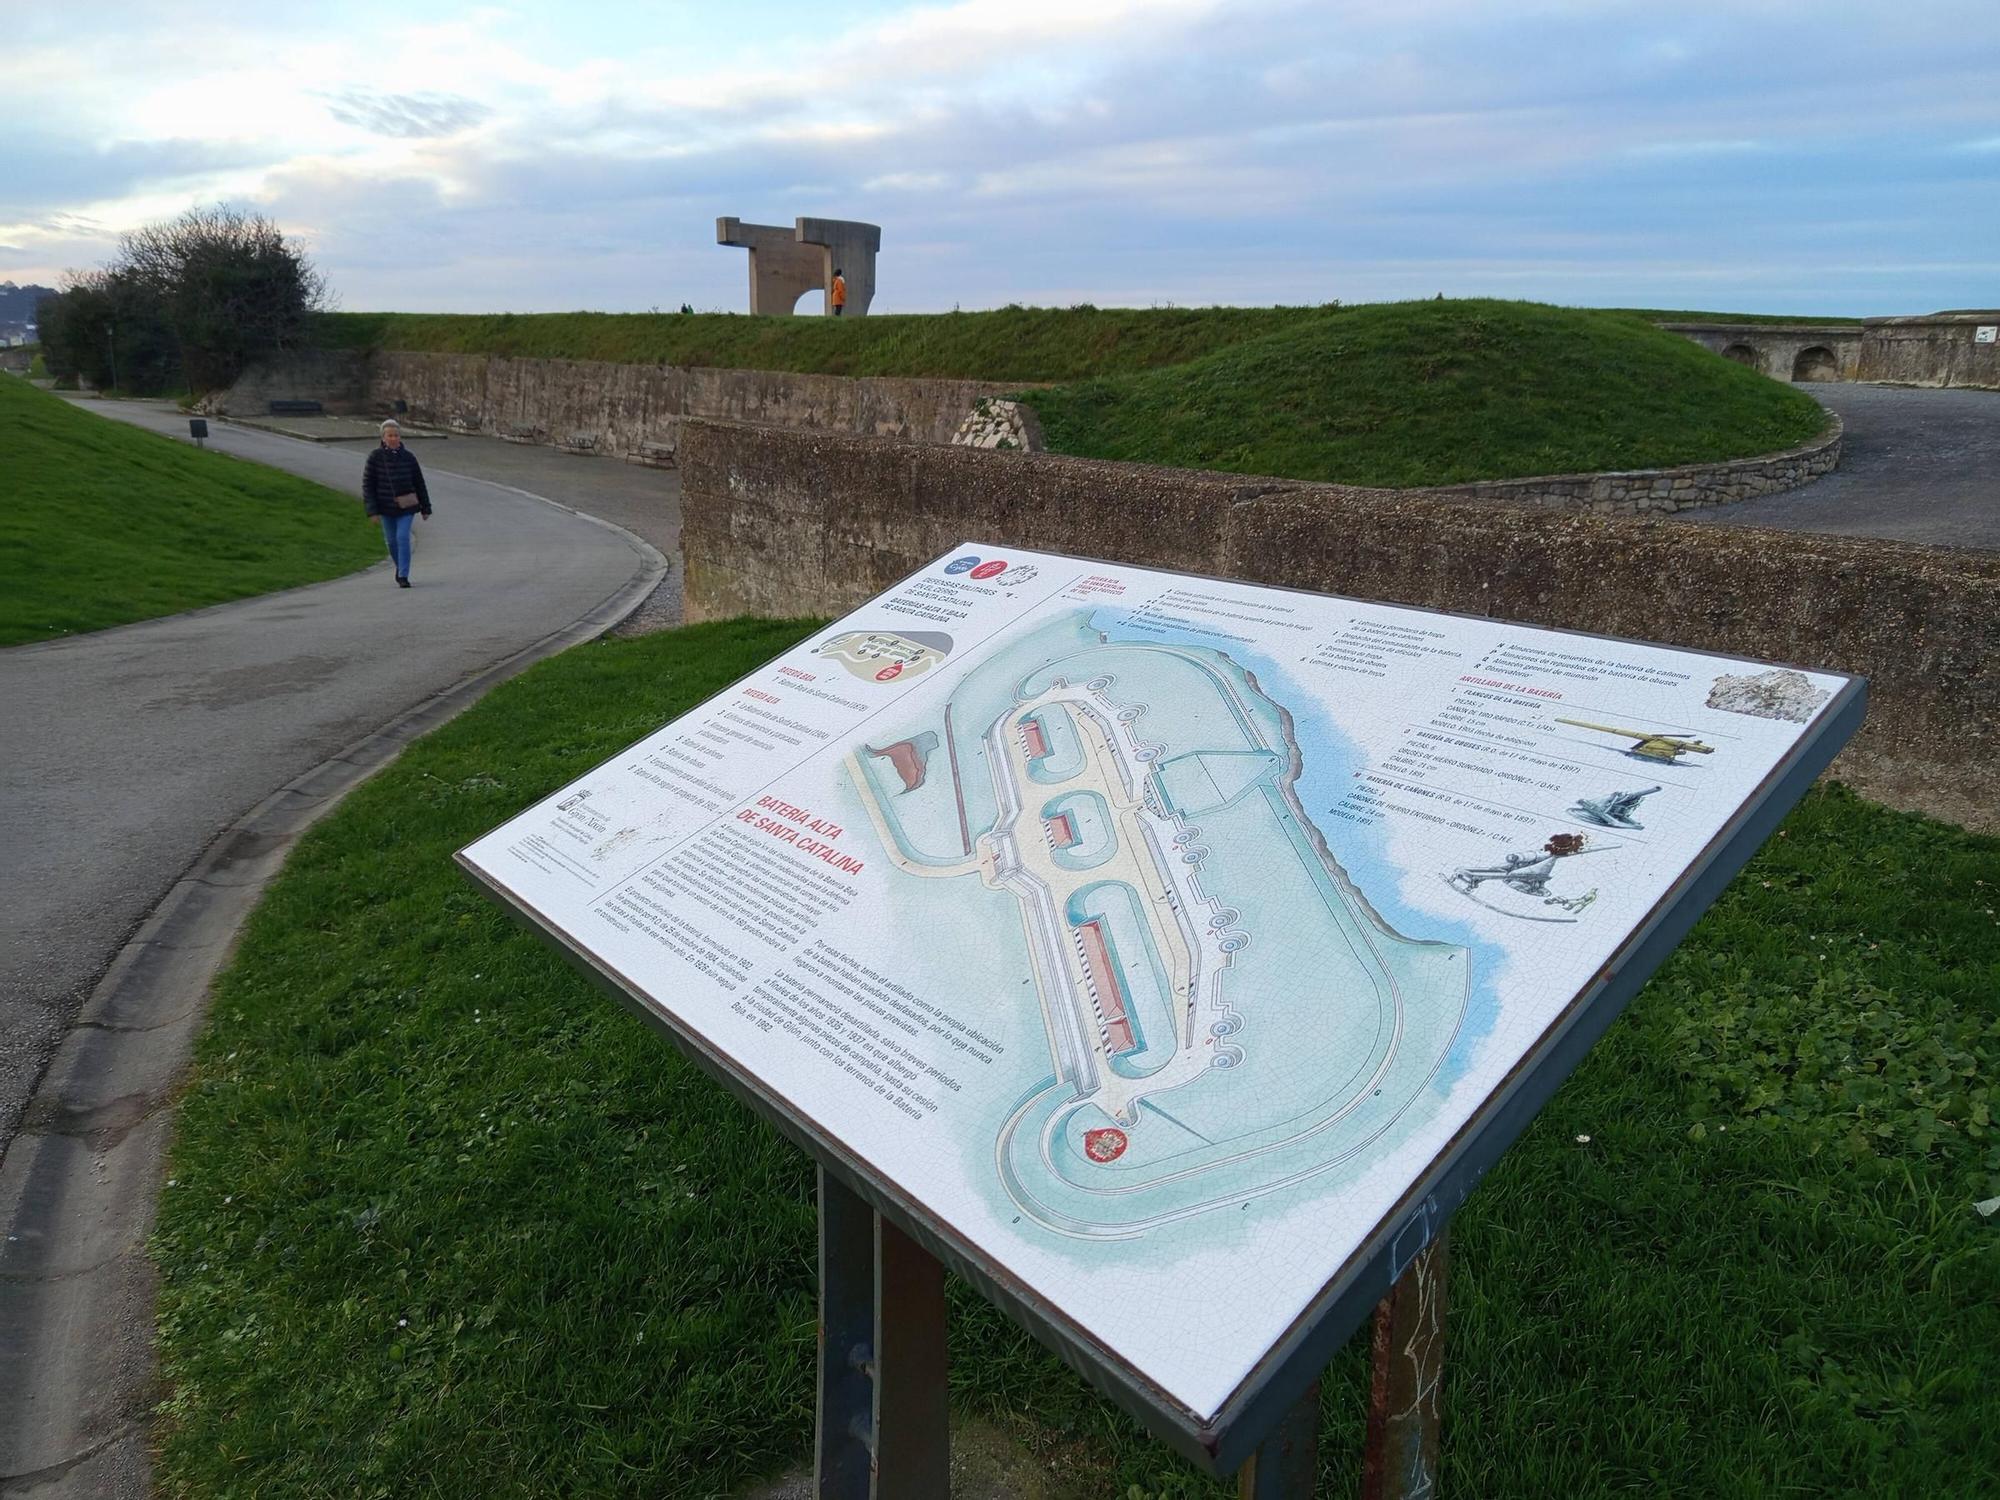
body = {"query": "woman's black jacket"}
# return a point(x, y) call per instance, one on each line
point(392, 472)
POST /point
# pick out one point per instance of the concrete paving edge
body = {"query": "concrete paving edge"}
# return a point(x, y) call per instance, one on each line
point(80, 1183)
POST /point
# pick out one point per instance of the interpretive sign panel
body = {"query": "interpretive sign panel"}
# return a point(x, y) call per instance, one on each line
point(1151, 938)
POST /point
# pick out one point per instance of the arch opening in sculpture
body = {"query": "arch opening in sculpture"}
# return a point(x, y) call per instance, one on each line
point(1743, 354)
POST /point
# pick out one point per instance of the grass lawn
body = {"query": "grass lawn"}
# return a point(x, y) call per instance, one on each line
point(446, 1221)
point(102, 524)
point(1422, 393)
point(1010, 343)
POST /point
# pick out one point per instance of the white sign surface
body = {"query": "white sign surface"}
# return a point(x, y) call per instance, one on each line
point(1985, 333)
point(1152, 932)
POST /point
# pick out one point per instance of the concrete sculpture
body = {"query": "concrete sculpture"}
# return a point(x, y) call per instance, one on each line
point(785, 264)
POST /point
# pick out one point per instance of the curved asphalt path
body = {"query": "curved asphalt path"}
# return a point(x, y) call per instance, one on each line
point(1917, 465)
point(125, 754)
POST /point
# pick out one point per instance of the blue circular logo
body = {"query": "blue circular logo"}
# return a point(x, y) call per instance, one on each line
point(961, 565)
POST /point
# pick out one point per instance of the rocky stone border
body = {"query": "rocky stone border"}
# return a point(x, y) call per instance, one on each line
point(1004, 425)
point(1009, 426)
point(1637, 492)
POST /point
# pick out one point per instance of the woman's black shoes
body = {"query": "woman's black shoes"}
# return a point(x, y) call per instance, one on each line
point(402, 582)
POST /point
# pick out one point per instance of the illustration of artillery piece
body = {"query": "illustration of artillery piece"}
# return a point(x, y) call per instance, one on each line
point(1527, 875)
point(1613, 810)
point(1646, 745)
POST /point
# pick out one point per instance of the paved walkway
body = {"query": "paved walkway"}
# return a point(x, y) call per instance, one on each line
point(1917, 466)
point(127, 753)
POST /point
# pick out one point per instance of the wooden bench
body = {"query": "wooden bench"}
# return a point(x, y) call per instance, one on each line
point(296, 409)
point(579, 442)
point(515, 433)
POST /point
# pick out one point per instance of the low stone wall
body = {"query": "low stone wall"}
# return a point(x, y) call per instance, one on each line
point(628, 406)
point(796, 523)
point(1640, 491)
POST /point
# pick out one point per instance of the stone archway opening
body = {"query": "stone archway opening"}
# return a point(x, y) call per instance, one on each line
point(1743, 354)
point(1816, 362)
point(811, 303)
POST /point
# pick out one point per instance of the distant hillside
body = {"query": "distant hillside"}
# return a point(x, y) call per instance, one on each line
point(18, 303)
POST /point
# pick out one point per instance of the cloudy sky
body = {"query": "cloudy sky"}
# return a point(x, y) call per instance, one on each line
point(1743, 154)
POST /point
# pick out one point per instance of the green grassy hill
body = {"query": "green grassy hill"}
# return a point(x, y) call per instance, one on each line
point(103, 524)
point(1423, 393)
point(1407, 393)
point(1011, 343)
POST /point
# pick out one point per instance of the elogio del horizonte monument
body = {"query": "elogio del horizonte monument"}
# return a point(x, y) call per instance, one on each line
point(786, 264)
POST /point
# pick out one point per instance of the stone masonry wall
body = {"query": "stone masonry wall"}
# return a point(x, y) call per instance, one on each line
point(789, 523)
point(1939, 350)
point(626, 406)
point(337, 378)
point(1640, 491)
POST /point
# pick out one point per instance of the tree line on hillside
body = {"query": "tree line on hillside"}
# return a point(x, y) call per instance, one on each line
point(185, 304)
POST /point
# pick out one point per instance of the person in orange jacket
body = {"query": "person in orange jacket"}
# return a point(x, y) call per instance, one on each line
point(839, 292)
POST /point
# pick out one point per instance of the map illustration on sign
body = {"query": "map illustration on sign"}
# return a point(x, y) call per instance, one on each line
point(1153, 936)
point(1138, 803)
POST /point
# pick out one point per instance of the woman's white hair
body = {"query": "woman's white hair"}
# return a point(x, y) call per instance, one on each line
point(392, 422)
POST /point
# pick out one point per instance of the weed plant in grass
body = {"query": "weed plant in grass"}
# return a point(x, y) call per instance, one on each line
point(103, 524)
point(1424, 393)
point(444, 1220)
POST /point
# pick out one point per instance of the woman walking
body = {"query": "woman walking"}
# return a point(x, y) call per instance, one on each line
point(393, 491)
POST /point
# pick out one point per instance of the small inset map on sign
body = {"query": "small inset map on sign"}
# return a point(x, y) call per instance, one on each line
point(888, 655)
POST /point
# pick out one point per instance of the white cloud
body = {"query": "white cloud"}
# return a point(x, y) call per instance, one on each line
point(1284, 149)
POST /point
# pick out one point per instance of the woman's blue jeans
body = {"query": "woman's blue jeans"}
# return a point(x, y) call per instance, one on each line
point(396, 532)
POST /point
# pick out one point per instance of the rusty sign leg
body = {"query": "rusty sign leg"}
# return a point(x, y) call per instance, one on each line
point(1406, 1399)
point(882, 1431)
point(912, 1412)
point(1285, 1465)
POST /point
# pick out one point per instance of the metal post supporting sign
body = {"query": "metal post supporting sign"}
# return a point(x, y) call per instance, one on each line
point(883, 1427)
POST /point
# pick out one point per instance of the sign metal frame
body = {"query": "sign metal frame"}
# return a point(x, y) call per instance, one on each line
point(1288, 1370)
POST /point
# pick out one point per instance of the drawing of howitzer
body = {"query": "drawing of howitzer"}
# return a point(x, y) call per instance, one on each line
point(1613, 809)
point(1648, 746)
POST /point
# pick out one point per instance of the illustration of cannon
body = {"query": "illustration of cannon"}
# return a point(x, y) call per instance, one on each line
point(1647, 745)
point(1613, 809)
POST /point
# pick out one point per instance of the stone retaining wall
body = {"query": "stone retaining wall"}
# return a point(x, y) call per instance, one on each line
point(1940, 350)
point(627, 406)
point(623, 409)
point(797, 523)
point(1640, 491)
point(336, 378)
